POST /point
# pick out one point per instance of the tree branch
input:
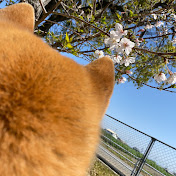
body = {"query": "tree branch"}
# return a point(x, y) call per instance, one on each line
point(58, 18)
point(156, 53)
point(79, 19)
point(48, 13)
point(44, 10)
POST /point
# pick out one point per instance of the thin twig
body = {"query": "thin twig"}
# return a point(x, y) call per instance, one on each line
point(157, 36)
point(90, 51)
point(64, 8)
point(170, 58)
point(44, 10)
point(104, 9)
point(168, 87)
point(94, 7)
point(79, 19)
point(156, 53)
point(87, 37)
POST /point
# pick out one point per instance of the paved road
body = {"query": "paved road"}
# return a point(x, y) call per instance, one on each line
point(115, 161)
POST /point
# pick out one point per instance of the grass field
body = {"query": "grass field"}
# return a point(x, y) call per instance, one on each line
point(99, 169)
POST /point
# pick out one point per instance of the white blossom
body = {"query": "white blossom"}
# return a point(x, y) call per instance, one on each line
point(121, 80)
point(138, 42)
point(118, 27)
point(112, 40)
point(154, 16)
point(149, 26)
point(165, 31)
point(127, 61)
point(80, 6)
point(108, 56)
point(99, 54)
point(116, 59)
point(82, 13)
point(159, 23)
point(174, 41)
point(119, 30)
point(125, 45)
point(89, 16)
point(171, 79)
point(114, 34)
point(129, 72)
point(163, 15)
point(160, 77)
point(174, 16)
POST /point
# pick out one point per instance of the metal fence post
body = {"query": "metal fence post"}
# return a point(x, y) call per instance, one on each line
point(141, 162)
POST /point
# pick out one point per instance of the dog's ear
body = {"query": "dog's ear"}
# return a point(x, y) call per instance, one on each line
point(21, 14)
point(102, 72)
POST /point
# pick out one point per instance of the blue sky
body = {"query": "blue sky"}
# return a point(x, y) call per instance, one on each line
point(149, 110)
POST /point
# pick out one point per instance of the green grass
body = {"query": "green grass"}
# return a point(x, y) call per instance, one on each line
point(99, 169)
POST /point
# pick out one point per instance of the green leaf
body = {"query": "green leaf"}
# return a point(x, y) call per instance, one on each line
point(67, 38)
point(131, 14)
point(71, 39)
point(74, 52)
point(60, 37)
point(92, 19)
point(104, 20)
point(173, 86)
point(81, 17)
point(118, 16)
point(68, 45)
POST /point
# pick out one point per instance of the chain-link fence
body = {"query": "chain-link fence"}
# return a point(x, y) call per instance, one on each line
point(131, 152)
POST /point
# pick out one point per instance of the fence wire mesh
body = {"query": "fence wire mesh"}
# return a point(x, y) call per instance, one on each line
point(163, 158)
point(133, 152)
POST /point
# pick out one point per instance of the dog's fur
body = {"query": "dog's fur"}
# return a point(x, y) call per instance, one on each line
point(50, 106)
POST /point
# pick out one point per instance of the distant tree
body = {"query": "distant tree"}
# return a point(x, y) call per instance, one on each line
point(138, 35)
point(136, 149)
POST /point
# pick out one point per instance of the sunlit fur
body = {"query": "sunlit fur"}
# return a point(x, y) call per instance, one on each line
point(50, 106)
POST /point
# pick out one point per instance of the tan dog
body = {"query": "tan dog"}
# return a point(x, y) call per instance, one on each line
point(50, 106)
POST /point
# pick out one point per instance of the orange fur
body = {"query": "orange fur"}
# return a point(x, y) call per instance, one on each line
point(50, 106)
